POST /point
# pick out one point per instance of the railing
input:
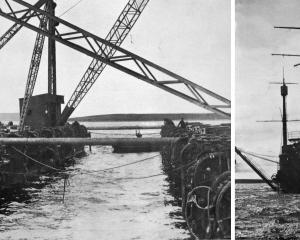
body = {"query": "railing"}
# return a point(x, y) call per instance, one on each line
point(294, 136)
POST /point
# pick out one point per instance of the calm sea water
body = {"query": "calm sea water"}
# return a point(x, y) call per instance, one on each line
point(102, 205)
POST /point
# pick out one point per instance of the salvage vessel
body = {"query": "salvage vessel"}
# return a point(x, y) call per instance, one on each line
point(287, 177)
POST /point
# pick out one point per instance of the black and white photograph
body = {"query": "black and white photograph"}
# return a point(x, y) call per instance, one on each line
point(115, 117)
point(267, 164)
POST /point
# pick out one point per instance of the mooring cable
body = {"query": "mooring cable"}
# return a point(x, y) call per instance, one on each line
point(160, 174)
point(102, 170)
point(144, 177)
point(123, 165)
point(86, 172)
point(36, 161)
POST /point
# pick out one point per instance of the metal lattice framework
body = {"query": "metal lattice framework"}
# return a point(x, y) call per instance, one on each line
point(12, 31)
point(33, 70)
point(123, 60)
point(116, 36)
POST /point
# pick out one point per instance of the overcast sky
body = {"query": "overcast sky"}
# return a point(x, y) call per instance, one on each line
point(256, 99)
point(191, 38)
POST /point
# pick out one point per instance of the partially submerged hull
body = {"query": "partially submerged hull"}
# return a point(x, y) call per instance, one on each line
point(288, 175)
point(22, 164)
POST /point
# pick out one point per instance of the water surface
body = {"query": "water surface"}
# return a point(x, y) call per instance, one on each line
point(101, 205)
point(264, 214)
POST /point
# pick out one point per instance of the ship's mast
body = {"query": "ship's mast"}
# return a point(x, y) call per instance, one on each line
point(284, 93)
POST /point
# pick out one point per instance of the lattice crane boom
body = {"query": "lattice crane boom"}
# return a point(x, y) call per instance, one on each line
point(12, 31)
point(123, 60)
point(33, 70)
point(116, 36)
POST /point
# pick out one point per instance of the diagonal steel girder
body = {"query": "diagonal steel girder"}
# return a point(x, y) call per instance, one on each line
point(116, 35)
point(93, 46)
point(33, 70)
point(13, 30)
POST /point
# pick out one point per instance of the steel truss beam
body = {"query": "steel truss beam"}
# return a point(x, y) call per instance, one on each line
point(116, 36)
point(33, 70)
point(12, 31)
point(98, 48)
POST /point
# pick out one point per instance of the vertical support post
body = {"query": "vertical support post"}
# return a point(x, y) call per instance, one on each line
point(51, 51)
point(52, 111)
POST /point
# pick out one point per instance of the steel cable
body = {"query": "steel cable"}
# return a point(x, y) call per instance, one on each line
point(103, 170)
point(160, 174)
point(259, 156)
point(127, 164)
point(87, 172)
point(36, 161)
point(70, 8)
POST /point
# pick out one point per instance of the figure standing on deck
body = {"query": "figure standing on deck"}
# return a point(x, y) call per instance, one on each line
point(182, 124)
point(138, 134)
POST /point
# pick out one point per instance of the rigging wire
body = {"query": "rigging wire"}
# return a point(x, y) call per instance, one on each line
point(257, 165)
point(70, 8)
point(263, 158)
point(259, 156)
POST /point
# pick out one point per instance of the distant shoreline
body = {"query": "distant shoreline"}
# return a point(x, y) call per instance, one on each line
point(15, 117)
point(147, 117)
point(248, 181)
point(131, 117)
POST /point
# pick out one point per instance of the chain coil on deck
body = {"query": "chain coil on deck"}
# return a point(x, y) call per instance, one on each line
point(203, 186)
point(207, 203)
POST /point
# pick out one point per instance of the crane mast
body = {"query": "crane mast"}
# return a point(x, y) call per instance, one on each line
point(116, 36)
point(13, 30)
